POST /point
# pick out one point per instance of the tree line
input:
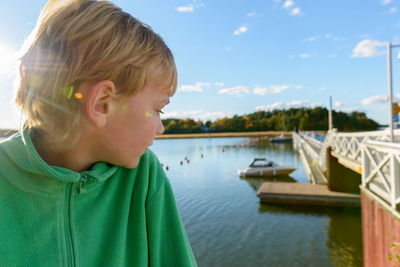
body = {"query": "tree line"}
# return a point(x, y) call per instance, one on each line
point(293, 119)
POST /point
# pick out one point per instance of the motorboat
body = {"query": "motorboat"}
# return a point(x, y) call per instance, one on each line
point(281, 139)
point(263, 168)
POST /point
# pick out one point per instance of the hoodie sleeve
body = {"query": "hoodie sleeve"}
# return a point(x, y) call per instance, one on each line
point(167, 240)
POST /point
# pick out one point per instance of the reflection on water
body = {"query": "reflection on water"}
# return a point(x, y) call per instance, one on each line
point(342, 227)
point(227, 225)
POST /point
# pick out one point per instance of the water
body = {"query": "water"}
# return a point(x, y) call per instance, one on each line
point(226, 224)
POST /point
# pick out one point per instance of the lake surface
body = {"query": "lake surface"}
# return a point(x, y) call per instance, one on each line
point(227, 225)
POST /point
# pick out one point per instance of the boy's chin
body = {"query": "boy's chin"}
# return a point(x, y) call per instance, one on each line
point(132, 164)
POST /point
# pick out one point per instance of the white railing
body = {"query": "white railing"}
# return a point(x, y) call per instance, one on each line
point(311, 137)
point(377, 156)
point(300, 145)
point(315, 149)
point(348, 145)
point(314, 158)
point(381, 170)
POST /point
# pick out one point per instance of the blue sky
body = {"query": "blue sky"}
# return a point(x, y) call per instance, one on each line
point(236, 57)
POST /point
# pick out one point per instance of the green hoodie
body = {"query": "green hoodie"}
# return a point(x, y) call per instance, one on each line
point(107, 216)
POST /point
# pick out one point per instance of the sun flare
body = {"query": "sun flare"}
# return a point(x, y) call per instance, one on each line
point(8, 59)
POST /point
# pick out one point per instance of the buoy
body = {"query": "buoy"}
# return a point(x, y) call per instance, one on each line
point(166, 168)
point(181, 162)
point(223, 150)
point(187, 161)
point(201, 155)
point(162, 165)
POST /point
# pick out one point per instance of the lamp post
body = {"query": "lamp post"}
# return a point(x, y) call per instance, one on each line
point(389, 59)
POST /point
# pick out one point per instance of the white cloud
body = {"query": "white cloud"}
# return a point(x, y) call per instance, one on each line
point(339, 104)
point(273, 89)
point(261, 91)
point(304, 55)
point(287, 105)
point(237, 90)
point(241, 30)
point(332, 55)
point(392, 10)
point(298, 87)
point(277, 105)
point(251, 14)
point(228, 48)
point(188, 8)
point(386, 2)
point(190, 88)
point(180, 114)
point(377, 99)
point(312, 38)
point(288, 4)
point(196, 114)
point(369, 48)
point(295, 11)
point(198, 87)
point(276, 89)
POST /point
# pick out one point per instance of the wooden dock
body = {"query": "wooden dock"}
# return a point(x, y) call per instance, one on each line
point(305, 194)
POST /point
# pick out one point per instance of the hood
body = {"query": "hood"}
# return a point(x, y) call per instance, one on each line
point(20, 149)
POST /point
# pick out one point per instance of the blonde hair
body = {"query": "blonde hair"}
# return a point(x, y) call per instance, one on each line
point(85, 40)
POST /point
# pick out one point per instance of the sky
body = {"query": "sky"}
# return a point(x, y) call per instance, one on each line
point(238, 57)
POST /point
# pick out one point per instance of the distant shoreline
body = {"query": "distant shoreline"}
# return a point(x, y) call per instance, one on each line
point(230, 134)
point(9, 132)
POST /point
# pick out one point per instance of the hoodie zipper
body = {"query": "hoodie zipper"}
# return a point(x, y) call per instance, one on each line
point(68, 229)
point(82, 183)
point(70, 245)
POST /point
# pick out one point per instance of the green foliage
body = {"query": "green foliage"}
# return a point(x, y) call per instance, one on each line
point(277, 120)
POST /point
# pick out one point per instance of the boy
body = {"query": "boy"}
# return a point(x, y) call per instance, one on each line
point(78, 186)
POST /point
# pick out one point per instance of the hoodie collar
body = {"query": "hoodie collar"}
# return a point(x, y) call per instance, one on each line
point(23, 153)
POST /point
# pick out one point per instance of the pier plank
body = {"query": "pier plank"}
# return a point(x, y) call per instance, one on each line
point(308, 194)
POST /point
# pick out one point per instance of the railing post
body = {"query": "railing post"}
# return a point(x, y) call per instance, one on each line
point(364, 166)
point(395, 176)
point(393, 187)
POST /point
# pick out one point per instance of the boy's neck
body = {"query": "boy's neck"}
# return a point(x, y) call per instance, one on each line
point(75, 158)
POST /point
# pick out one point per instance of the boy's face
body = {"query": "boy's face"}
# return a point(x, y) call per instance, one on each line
point(133, 125)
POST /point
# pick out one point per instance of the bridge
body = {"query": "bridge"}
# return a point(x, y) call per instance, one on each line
point(371, 161)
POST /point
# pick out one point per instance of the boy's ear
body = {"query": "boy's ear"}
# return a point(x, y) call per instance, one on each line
point(98, 102)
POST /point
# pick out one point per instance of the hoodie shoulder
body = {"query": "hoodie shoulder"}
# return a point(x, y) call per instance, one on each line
point(150, 167)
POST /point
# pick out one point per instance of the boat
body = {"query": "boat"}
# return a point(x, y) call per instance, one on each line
point(263, 168)
point(281, 139)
